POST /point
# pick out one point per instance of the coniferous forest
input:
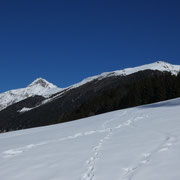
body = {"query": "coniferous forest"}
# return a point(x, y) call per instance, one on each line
point(140, 92)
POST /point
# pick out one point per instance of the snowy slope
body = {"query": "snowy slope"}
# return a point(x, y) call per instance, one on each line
point(38, 87)
point(140, 143)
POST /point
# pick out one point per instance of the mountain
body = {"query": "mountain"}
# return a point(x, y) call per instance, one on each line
point(44, 88)
point(95, 95)
point(38, 87)
point(140, 143)
point(156, 66)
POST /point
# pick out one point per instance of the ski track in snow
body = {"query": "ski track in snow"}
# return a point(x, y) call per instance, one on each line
point(17, 151)
point(130, 172)
point(89, 174)
point(91, 162)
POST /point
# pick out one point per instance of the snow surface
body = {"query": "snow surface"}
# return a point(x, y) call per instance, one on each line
point(141, 143)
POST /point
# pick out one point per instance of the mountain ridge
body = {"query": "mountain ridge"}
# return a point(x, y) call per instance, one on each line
point(159, 65)
point(44, 88)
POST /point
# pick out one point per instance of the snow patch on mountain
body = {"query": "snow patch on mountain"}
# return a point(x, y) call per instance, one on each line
point(24, 109)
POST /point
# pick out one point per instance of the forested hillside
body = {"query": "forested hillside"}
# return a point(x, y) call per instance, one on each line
point(92, 98)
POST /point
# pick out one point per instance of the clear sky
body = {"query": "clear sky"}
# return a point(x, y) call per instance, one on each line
point(65, 41)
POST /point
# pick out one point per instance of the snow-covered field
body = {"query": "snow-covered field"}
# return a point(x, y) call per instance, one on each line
point(141, 143)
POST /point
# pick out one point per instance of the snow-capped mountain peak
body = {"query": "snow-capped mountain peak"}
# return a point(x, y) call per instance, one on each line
point(42, 82)
point(159, 65)
point(38, 87)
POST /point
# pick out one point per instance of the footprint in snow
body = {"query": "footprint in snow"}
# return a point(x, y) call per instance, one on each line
point(89, 132)
point(127, 123)
point(146, 155)
point(11, 152)
point(164, 149)
point(138, 118)
point(74, 136)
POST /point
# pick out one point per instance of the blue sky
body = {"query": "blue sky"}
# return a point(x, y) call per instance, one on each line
point(65, 41)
